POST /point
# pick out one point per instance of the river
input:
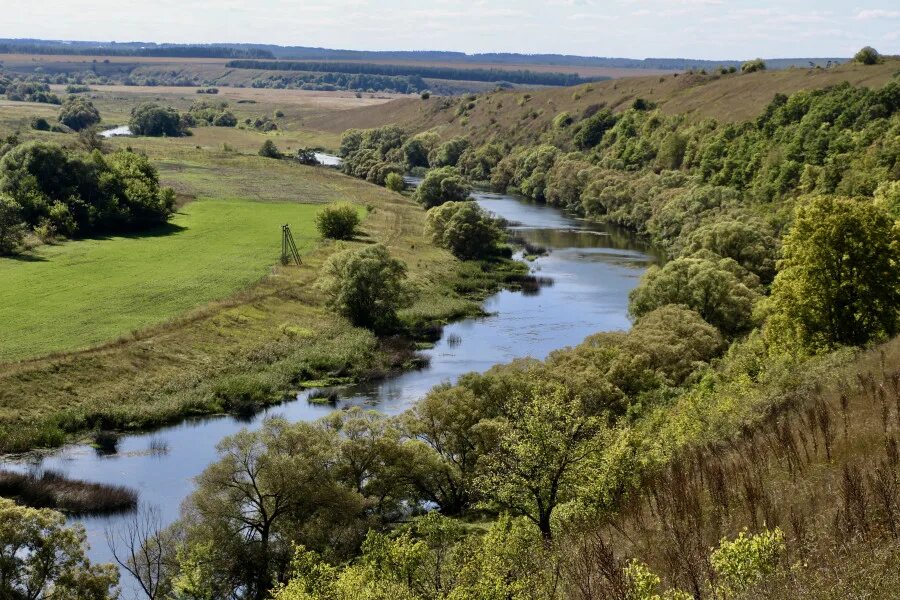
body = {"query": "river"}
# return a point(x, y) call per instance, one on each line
point(592, 268)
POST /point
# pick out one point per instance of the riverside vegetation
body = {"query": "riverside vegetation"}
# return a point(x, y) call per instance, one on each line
point(740, 441)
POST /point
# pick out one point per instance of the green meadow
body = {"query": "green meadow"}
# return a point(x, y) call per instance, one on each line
point(81, 293)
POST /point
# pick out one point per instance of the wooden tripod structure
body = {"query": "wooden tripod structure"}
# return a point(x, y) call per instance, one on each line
point(288, 247)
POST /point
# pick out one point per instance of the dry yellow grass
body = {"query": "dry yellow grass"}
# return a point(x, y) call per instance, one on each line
point(508, 114)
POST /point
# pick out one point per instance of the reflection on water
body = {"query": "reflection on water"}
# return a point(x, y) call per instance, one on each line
point(592, 269)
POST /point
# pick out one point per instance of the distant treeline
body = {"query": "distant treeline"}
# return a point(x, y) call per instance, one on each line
point(168, 50)
point(330, 81)
point(458, 74)
point(675, 64)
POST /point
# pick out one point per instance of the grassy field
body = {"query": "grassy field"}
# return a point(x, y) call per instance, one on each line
point(85, 292)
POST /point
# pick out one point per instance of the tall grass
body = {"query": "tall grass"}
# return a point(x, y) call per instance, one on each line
point(53, 490)
point(823, 465)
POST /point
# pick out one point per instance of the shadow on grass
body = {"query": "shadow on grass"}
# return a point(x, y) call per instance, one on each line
point(25, 257)
point(158, 231)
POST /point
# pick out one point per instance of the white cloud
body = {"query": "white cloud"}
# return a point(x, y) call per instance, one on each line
point(877, 13)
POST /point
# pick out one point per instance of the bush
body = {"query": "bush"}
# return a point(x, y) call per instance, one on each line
point(593, 129)
point(156, 121)
point(425, 95)
point(366, 286)
point(78, 113)
point(337, 221)
point(448, 153)
point(84, 193)
point(225, 119)
point(752, 66)
point(442, 185)
point(708, 287)
point(395, 182)
point(269, 150)
point(12, 227)
point(306, 156)
point(746, 560)
point(40, 124)
point(868, 56)
point(465, 229)
point(562, 120)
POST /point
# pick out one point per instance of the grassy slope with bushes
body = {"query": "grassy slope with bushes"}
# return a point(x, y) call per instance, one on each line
point(242, 350)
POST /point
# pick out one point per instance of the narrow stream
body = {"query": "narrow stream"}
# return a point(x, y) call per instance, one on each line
point(592, 268)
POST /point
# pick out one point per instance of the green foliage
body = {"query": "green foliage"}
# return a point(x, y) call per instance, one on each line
point(366, 286)
point(40, 124)
point(417, 148)
point(465, 229)
point(338, 221)
point(373, 154)
point(744, 561)
point(84, 193)
point(42, 558)
point(746, 242)
point(476, 164)
point(12, 228)
point(868, 56)
point(838, 280)
point(593, 129)
point(155, 121)
point(752, 66)
point(395, 182)
point(543, 454)
point(442, 185)
point(448, 153)
point(708, 286)
point(269, 150)
point(562, 120)
point(78, 113)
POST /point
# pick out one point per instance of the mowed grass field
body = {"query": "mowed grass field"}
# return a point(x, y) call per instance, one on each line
point(84, 292)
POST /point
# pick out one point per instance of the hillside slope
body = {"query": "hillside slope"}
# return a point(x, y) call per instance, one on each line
point(522, 117)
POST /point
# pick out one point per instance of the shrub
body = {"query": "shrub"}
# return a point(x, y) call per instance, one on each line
point(156, 121)
point(395, 182)
point(12, 227)
point(366, 285)
point(448, 153)
point(78, 113)
point(593, 129)
point(442, 185)
point(465, 229)
point(306, 156)
point(225, 119)
point(708, 287)
point(40, 124)
point(84, 193)
point(868, 56)
point(425, 95)
point(269, 150)
point(279, 113)
point(337, 221)
point(746, 560)
point(562, 120)
point(752, 66)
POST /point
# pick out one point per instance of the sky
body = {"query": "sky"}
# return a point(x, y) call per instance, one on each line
point(710, 29)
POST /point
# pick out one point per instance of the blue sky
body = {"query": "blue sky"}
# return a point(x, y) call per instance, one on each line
point(633, 28)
